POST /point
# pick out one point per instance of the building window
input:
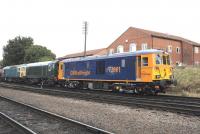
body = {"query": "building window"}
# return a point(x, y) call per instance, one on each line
point(178, 50)
point(169, 49)
point(196, 63)
point(177, 63)
point(144, 46)
point(120, 49)
point(111, 51)
point(132, 47)
point(196, 50)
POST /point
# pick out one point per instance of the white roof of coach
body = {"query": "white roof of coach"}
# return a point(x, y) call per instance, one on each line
point(8, 67)
point(38, 63)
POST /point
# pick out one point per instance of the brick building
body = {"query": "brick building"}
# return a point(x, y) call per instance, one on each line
point(102, 51)
point(183, 51)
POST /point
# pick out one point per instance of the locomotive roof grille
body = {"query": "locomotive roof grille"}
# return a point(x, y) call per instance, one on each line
point(114, 55)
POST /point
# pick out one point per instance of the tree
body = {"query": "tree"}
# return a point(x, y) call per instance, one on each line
point(1, 64)
point(22, 50)
point(14, 51)
point(37, 53)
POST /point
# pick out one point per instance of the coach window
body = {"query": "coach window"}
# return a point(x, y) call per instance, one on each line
point(145, 61)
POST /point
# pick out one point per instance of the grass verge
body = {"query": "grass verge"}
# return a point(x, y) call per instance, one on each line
point(188, 79)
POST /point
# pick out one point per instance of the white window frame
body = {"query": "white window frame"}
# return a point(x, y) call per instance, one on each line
point(144, 46)
point(132, 47)
point(178, 50)
point(169, 48)
point(177, 63)
point(111, 51)
point(120, 49)
point(196, 50)
point(196, 62)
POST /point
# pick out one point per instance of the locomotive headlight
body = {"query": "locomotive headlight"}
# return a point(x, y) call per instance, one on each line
point(157, 76)
point(117, 88)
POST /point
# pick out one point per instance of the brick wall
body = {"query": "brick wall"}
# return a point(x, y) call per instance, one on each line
point(187, 53)
point(102, 52)
point(131, 36)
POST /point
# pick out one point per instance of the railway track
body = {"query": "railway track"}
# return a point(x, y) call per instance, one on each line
point(11, 126)
point(33, 120)
point(185, 105)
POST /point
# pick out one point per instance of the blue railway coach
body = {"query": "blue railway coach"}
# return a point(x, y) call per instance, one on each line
point(11, 72)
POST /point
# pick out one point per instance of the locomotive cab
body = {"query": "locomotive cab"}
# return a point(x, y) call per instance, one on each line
point(162, 70)
point(22, 71)
point(162, 67)
point(61, 71)
point(155, 69)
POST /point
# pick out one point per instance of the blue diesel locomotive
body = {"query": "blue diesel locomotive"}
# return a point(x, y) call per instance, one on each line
point(141, 71)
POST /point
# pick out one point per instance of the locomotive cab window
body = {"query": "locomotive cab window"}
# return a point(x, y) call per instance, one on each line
point(158, 59)
point(164, 60)
point(145, 61)
point(168, 60)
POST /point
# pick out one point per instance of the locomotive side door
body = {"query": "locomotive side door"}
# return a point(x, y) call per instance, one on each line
point(138, 68)
point(61, 70)
point(146, 68)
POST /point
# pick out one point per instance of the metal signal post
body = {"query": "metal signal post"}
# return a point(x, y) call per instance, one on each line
point(85, 29)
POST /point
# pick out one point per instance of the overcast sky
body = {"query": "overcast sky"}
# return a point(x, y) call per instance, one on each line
point(57, 24)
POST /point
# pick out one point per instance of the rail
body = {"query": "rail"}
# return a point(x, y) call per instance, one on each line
point(89, 128)
point(184, 105)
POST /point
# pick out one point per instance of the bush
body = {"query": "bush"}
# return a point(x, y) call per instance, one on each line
point(188, 79)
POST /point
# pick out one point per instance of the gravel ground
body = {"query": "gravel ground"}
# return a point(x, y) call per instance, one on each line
point(5, 128)
point(38, 122)
point(114, 118)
